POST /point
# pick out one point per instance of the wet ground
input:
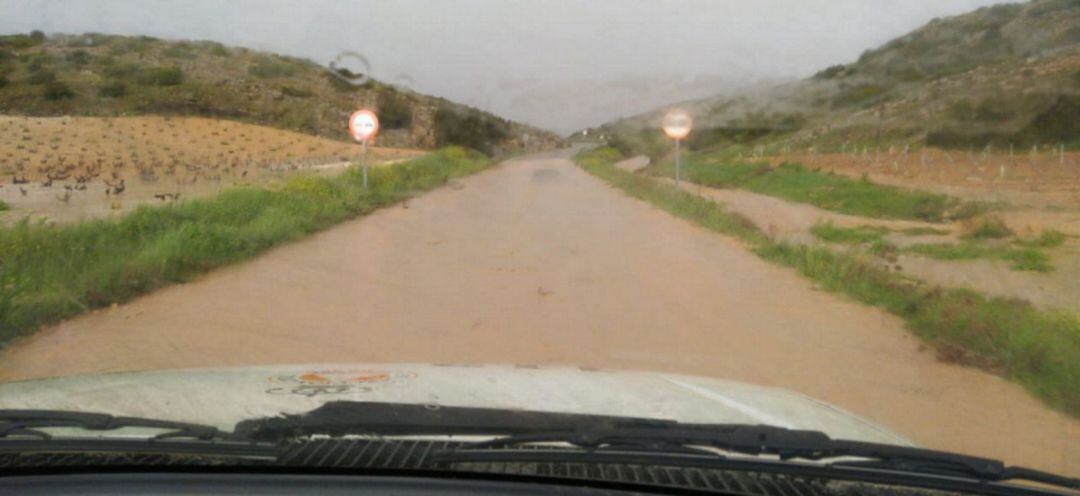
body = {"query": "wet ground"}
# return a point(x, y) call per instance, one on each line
point(537, 262)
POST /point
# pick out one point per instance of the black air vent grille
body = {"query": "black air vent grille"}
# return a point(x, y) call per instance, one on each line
point(389, 454)
point(83, 459)
point(418, 455)
point(690, 478)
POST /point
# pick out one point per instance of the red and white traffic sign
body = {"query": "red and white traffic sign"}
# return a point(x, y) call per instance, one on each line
point(363, 124)
point(677, 124)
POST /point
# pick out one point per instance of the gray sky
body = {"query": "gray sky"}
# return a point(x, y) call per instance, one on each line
point(558, 64)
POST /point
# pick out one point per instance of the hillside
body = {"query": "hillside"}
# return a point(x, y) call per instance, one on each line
point(1000, 76)
point(108, 76)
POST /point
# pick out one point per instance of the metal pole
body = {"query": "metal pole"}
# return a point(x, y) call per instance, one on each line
point(678, 166)
point(364, 162)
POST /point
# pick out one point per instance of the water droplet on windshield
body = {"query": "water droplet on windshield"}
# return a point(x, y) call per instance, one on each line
point(351, 67)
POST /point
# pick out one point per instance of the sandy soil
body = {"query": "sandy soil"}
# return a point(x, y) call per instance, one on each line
point(536, 262)
point(164, 156)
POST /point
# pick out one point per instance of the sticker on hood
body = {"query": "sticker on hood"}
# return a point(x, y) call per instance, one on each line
point(334, 381)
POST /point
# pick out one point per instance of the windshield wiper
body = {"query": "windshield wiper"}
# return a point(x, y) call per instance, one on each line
point(31, 423)
point(597, 434)
point(786, 444)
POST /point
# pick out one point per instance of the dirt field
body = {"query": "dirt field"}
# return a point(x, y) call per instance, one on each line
point(1042, 179)
point(536, 262)
point(88, 157)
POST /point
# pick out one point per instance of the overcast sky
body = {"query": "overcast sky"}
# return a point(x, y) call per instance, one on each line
point(559, 64)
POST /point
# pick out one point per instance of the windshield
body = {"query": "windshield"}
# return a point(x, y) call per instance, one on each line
point(854, 217)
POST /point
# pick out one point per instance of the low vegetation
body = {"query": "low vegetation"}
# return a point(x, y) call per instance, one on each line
point(990, 228)
point(1023, 255)
point(479, 132)
point(108, 76)
point(1050, 238)
point(1021, 258)
point(828, 231)
point(822, 189)
point(52, 272)
point(1038, 349)
point(685, 205)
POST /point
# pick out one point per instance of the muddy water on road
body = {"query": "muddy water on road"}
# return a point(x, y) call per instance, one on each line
point(536, 262)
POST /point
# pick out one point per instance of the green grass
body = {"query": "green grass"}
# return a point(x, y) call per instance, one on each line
point(52, 272)
point(827, 231)
point(1039, 350)
point(1050, 238)
point(681, 204)
point(4, 206)
point(1022, 258)
point(990, 228)
point(822, 189)
point(924, 231)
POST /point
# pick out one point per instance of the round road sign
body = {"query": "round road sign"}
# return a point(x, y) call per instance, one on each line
point(363, 124)
point(677, 124)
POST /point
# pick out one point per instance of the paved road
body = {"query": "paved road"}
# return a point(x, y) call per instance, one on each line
point(536, 262)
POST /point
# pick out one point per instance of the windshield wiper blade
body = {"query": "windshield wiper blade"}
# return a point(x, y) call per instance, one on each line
point(786, 444)
point(31, 423)
point(598, 432)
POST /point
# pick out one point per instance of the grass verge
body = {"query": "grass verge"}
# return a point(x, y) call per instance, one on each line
point(1024, 255)
point(1037, 349)
point(1022, 258)
point(52, 272)
point(3, 206)
point(822, 189)
point(691, 207)
point(827, 231)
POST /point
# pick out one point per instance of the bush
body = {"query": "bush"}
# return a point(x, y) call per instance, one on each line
point(395, 111)
point(268, 67)
point(78, 57)
point(297, 92)
point(42, 77)
point(57, 90)
point(181, 50)
point(119, 71)
point(990, 228)
point(468, 128)
point(1049, 238)
point(217, 49)
point(113, 89)
point(161, 76)
point(38, 62)
point(862, 94)
point(22, 40)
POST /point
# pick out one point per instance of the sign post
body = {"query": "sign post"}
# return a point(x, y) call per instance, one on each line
point(677, 125)
point(363, 124)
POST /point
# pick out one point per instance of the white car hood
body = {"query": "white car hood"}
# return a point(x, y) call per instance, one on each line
point(225, 396)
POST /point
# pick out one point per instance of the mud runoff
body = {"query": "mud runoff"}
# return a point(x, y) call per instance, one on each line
point(536, 262)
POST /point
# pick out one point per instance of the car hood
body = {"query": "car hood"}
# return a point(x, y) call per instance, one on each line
point(225, 396)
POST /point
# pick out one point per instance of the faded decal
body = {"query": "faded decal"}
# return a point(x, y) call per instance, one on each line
point(333, 381)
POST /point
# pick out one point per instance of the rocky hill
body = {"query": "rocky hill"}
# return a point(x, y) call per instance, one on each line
point(105, 75)
point(1006, 75)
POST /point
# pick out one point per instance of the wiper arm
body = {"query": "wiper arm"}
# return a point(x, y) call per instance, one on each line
point(596, 432)
point(31, 423)
point(784, 443)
